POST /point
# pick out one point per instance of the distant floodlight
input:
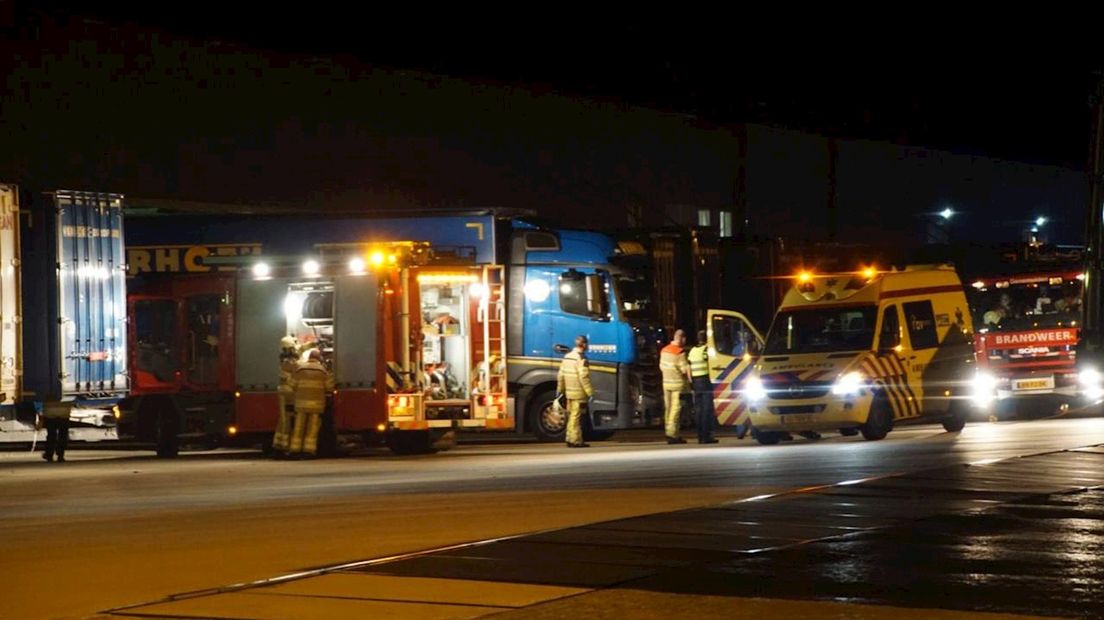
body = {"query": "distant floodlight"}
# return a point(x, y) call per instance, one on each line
point(1039, 221)
point(947, 213)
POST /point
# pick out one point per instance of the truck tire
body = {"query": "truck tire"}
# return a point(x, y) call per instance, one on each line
point(543, 422)
point(879, 421)
point(442, 440)
point(956, 418)
point(767, 438)
point(168, 427)
point(410, 442)
point(327, 437)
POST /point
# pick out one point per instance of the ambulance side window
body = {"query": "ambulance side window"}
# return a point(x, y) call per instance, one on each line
point(920, 320)
point(890, 336)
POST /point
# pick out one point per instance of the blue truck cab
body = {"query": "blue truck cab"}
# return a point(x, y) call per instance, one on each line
point(562, 284)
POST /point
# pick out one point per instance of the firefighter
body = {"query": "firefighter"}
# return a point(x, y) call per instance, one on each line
point(310, 384)
point(703, 389)
point(676, 381)
point(55, 417)
point(573, 381)
point(289, 363)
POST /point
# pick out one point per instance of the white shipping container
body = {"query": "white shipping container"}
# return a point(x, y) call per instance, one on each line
point(10, 353)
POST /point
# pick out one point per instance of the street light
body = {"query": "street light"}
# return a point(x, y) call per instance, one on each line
point(947, 213)
point(1039, 221)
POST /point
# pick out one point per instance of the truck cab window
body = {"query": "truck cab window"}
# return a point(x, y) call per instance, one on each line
point(203, 338)
point(584, 294)
point(155, 337)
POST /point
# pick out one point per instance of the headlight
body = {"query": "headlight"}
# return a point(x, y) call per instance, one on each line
point(985, 389)
point(754, 390)
point(849, 384)
point(1092, 382)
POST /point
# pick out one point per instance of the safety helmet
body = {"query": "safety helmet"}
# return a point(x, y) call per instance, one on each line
point(288, 343)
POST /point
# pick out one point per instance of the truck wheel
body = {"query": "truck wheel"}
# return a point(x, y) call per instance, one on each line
point(767, 438)
point(879, 421)
point(442, 440)
point(168, 425)
point(410, 442)
point(955, 420)
point(327, 438)
point(545, 422)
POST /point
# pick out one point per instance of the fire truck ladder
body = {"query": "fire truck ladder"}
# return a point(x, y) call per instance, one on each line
point(492, 315)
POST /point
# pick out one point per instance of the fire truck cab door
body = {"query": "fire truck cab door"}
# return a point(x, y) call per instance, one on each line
point(734, 345)
point(355, 321)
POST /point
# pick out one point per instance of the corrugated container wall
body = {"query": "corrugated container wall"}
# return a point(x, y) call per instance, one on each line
point(11, 358)
point(75, 297)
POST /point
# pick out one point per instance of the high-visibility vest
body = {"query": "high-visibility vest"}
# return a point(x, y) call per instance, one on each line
point(311, 382)
point(699, 361)
point(574, 377)
point(672, 363)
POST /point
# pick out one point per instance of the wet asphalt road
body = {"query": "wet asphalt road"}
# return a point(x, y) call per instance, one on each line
point(122, 529)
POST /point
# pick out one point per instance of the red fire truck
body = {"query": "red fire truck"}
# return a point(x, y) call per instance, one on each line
point(1027, 323)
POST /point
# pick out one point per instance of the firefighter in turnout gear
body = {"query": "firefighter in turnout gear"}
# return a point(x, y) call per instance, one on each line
point(289, 363)
point(703, 389)
point(310, 383)
point(573, 381)
point(676, 382)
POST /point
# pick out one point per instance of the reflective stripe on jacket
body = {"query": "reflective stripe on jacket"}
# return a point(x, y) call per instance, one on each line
point(672, 363)
point(574, 377)
point(311, 382)
point(699, 361)
point(287, 369)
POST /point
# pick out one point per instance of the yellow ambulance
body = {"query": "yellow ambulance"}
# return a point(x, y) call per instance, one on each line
point(854, 352)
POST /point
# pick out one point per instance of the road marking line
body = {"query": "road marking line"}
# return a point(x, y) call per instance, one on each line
point(347, 566)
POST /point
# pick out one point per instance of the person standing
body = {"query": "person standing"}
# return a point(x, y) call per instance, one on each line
point(703, 389)
point(289, 363)
point(55, 417)
point(310, 384)
point(676, 381)
point(573, 381)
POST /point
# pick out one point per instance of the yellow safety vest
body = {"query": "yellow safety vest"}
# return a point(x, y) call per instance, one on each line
point(699, 361)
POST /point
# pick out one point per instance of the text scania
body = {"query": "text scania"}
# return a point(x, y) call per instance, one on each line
point(186, 258)
point(1059, 335)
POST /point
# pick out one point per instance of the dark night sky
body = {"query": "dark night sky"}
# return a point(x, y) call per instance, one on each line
point(916, 89)
point(316, 107)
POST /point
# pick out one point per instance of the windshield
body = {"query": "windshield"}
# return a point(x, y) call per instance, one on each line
point(1027, 306)
point(634, 295)
point(822, 330)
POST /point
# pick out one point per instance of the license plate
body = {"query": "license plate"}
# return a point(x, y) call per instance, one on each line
point(1033, 384)
point(795, 418)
